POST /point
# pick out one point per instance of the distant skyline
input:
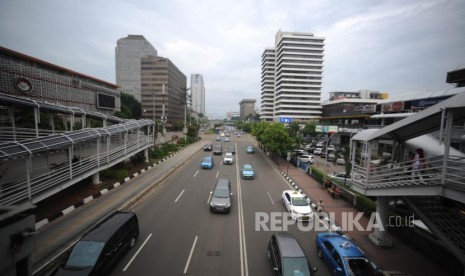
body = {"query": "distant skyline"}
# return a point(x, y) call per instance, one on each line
point(399, 47)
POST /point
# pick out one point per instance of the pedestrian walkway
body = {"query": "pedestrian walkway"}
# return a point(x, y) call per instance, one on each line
point(398, 257)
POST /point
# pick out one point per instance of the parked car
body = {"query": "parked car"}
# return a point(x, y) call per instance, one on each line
point(208, 147)
point(221, 196)
point(342, 256)
point(226, 139)
point(98, 251)
point(299, 152)
point(331, 157)
point(228, 159)
point(287, 257)
point(207, 162)
point(323, 153)
point(247, 171)
point(317, 151)
point(331, 148)
point(297, 205)
point(340, 161)
point(250, 149)
point(311, 149)
point(341, 177)
point(218, 138)
point(306, 158)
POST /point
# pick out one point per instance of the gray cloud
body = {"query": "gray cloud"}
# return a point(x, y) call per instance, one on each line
point(393, 46)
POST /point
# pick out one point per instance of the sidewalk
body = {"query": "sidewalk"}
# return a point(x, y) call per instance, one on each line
point(399, 257)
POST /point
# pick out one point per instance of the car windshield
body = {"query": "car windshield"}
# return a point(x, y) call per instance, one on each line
point(299, 201)
point(84, 254)
point(221, 193)
point(360, 266)
point(295, 267)
point(247, 168)
point(207, 160)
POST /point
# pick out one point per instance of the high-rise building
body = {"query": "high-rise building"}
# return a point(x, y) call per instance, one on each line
point(247, 107)
point(128, 53)
point(163, 84)
point(267, 98)
point(298, 71)
point(198, 93)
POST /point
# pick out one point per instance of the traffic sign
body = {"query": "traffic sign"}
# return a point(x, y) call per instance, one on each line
point(286, 120)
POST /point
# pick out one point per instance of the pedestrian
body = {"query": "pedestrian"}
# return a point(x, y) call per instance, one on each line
point(418, 164)
point(320, 206)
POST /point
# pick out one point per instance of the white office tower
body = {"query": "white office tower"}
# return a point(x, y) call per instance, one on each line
point(128, 53)
point(298, 76)
point(267, 93)
point(198, 93)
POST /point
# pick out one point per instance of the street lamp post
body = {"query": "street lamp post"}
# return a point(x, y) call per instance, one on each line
point(184, 131)
point(326, 156)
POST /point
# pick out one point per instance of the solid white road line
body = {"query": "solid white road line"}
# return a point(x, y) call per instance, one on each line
point(196, 173)
point(217, 173)
point(179, 196)
point(242, 242)
point(137, 253)
point(270, 198)
point(190, 255)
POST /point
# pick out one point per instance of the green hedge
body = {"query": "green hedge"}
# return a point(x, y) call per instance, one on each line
point(317, 174)
point(114, 173)
point(366, 205)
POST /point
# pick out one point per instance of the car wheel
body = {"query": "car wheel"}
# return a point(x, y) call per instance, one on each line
point(132, 242)
point(318, 251)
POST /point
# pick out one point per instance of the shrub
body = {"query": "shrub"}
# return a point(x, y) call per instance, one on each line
point(138, 158)
point(366, 205)
point(114, 173)
point(317, 174)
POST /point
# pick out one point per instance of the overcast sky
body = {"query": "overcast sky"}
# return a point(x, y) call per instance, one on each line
point(396, 46)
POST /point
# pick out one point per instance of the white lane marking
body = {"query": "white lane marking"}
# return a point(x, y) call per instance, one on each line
point(137, 253)
point(196, 173)
point(242, 241)
point(217, 173)
point(190, 255)
point(270, 198)
point(179, 196)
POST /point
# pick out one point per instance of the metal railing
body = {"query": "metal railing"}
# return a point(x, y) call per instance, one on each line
point(54, 178)
point(8, 134)
point(434, 171)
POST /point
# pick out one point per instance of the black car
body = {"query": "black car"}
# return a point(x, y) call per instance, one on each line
point(287, 257)
point(208, 147)
point(231, 149)
point(98, 251)
point(218, 149)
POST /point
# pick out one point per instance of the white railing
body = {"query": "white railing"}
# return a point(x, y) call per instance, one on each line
point(13, 193)
point(8, 134)
point(403, 174)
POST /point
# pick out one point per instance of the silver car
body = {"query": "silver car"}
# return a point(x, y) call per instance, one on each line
point(221, 197)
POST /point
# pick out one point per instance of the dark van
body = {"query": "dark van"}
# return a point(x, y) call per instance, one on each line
point(97, 252)
point(287, 257)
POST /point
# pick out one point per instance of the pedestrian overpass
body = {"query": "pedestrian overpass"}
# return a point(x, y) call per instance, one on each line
point(34, 169)
point(438, 195)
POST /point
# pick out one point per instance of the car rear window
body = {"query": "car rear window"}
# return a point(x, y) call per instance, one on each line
point(296, 266)
point(84, 254)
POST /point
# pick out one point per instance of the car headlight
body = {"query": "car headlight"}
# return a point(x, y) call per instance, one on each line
point(211, 204)
point(228, 205)
point(295, 212)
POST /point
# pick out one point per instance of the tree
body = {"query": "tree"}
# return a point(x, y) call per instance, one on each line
point(276, 138)
point(309, 129)
point(130, 107)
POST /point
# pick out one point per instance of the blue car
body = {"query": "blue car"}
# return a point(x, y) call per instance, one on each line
point(250, 149)
point(342, 256)
point(208, 162)
point(247, 172)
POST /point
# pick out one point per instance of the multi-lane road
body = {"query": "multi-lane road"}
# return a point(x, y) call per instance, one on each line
point(180, 236)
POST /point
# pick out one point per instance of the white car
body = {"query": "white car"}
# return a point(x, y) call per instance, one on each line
point(317, 151)
point(297, 205)
point(340, 161)
point(306, 158)
point(228, 159)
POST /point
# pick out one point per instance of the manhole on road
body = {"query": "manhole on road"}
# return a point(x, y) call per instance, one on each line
point(215, 253)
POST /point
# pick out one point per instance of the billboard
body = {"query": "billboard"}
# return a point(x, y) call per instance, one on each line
point(325, 128)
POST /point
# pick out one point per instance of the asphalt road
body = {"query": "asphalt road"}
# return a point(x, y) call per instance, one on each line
point(180, 236)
